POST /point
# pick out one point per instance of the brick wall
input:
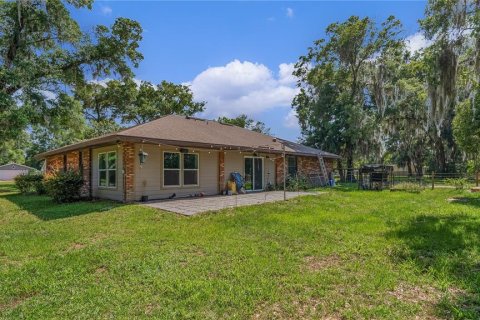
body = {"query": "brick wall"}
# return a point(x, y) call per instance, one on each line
point(129, 171)
point(305, 166)
point(279, 170)
point(86, 173)
point(56, 163)
point(221, 171)
point(310, 165)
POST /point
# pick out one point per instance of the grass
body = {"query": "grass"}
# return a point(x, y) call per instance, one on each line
point(346, 254)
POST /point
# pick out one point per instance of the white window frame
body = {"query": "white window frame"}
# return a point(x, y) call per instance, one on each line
point(179, 170)
point(107, 170)
point(198, 170)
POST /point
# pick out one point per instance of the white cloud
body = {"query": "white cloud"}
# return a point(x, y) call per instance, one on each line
point(106, 10)
point(289, 12)
point(416, 42)
point(291, 120)
point(243, 87)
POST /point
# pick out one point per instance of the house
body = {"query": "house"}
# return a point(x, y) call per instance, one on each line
point(10, 171)
point(181, 155)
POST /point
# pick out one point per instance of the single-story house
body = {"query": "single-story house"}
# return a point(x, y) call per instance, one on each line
point(11, 170)
point(182, 155)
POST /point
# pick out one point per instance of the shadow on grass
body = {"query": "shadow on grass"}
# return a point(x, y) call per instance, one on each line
point(447, 247)
point(7, 188)
point(45, 209)
point(468, 201)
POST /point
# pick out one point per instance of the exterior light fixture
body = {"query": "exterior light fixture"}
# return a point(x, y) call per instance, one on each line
point(142, 156)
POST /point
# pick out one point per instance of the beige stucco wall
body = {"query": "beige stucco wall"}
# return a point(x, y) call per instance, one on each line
point(102, 192)
point(234, 161)
point(149, 177)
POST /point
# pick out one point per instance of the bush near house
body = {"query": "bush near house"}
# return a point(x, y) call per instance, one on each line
point(33, 182)
point(64, 186)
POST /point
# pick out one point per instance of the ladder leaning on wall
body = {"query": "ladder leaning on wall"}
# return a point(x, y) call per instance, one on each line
point(323, 171)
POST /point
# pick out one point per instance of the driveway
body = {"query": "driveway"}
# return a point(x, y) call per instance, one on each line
point(193, 206)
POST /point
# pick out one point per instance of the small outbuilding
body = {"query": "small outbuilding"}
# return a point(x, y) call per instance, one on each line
point(11, 170)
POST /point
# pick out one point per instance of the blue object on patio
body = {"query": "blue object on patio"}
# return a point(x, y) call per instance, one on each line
point(237, 177)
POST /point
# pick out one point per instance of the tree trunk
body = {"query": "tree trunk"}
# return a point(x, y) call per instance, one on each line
point(340, 170)
point(440, 156)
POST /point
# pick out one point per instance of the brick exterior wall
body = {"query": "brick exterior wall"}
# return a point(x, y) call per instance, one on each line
point(86, 173)
point(310, 165)
point(73, 161)
point(55, 164)
point(305, 166)
point(221, 171)
point(129, 171)
point(279, 170)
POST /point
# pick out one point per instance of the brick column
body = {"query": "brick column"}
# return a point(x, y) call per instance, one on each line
point(128, 171)
point(86, 173)
point(72, 161)
point(221, 171)
point(279, 170)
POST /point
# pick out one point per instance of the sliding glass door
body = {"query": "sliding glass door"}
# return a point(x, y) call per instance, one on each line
point(253, 173)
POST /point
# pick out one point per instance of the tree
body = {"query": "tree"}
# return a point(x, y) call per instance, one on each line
point(147, 102)
point(453, 26)
point(243, 121)
point(466, 127)
point(333, 108)
point(43, 52)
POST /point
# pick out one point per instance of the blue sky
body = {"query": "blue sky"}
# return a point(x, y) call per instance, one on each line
point(238, 56)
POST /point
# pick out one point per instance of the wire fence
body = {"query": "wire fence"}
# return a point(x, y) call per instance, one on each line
point(441, 179)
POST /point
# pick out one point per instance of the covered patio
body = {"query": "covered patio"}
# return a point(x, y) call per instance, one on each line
point(191, 206)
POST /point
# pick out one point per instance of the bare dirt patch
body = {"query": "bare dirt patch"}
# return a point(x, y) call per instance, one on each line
point(17, 301)
point(305, 309)
point(319, 263)
point(76, 246)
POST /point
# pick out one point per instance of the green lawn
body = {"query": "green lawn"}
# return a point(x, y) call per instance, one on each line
point(346, 254)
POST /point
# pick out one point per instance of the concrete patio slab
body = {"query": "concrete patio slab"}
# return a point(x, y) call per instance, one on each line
point(191, 206)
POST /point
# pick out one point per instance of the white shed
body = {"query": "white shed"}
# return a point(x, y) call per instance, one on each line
point(11, 170)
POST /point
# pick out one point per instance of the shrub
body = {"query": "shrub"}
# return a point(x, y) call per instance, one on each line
point(408, 187)
point(31, 182)
point(64, 186)
point(299, 182)
point(458, 183)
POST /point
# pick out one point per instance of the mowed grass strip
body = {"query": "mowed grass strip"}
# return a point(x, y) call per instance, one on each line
point(346, 254)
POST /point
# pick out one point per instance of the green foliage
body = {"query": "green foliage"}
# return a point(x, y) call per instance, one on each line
point(466, 128)
point(333, 111)
point(64, 186)
point(44, 53)
point(243, 121)
point(408, 187)
point(298, 182)
point(33, 182)
point(360, 254)
point(458, 183)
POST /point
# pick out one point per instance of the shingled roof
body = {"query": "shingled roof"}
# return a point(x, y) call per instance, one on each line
point(193, 132)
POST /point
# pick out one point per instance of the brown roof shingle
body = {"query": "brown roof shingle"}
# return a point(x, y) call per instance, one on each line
point(188, 131)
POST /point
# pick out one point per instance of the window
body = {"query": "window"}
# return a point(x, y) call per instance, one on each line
point(190, 169)
point(107, 169)
point(171, 169)
point(292, 166)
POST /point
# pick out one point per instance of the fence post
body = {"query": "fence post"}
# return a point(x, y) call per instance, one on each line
point(476, 178)
point(433, 180)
